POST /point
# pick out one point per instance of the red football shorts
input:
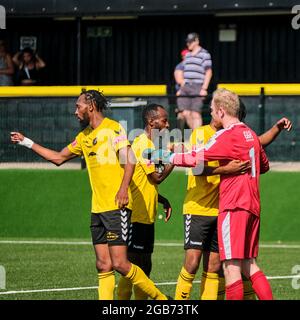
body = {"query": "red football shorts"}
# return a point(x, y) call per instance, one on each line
point(238, 235)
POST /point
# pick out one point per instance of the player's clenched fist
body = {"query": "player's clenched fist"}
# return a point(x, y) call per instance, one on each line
point(284, 123)
point(17, 137)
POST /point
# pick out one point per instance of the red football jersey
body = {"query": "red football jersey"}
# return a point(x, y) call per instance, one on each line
point(238, 142)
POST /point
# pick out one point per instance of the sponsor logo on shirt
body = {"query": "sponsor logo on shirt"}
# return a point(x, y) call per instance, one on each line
point(248, 135)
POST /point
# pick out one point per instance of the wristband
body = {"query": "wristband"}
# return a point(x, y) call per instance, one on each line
point(26, 142)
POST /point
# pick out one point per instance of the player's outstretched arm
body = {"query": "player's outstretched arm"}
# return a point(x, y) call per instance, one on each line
point(167, 157)
point(270, 135)
point(58, 158)
point(167, 206)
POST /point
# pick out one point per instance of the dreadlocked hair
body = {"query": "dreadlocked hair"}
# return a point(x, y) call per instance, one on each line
point(96, 97)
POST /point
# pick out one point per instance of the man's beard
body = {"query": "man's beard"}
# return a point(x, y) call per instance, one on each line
point(84, 122)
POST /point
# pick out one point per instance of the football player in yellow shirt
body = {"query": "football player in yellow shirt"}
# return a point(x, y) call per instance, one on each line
point(110, 163)
point(200, 211)
point(144, 189)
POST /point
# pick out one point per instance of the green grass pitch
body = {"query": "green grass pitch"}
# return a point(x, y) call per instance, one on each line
point(55, 205)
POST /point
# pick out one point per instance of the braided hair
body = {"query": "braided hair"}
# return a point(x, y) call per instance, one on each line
point(96, 97)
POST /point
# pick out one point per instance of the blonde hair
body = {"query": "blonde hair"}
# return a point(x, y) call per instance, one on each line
point(228, 100)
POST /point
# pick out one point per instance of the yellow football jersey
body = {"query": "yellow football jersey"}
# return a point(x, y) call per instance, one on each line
point(100, 148)
point(144, 192)
point(202, 196)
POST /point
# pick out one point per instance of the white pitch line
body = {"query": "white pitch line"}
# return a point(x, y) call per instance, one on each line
point(45, 242)
point(94, 287)
point(158, 244)
point(280, 246)
point(47, 290)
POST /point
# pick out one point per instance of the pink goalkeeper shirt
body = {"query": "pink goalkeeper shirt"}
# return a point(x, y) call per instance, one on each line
point(238, 142)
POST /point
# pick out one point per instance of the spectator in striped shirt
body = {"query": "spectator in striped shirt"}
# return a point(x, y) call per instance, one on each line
point(179, 79)
point(197, 75)
point(178, 72)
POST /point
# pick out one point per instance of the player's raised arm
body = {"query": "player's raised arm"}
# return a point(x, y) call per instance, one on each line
point(56, 157)
point(270, 135)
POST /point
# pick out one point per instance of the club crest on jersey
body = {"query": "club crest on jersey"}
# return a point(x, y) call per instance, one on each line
point(248, 135)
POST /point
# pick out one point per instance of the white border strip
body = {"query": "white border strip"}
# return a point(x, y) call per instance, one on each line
point(45, 242)
point(94, 287)
point(274, 166)
point(158, 244)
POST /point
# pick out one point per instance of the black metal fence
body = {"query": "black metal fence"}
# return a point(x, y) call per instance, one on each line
point(51, 121)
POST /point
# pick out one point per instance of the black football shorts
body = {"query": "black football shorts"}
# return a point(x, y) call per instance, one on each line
point(111, 227)
point(141, 237)
point(200, 232)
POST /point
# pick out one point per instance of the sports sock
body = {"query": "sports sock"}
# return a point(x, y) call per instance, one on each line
point(139, 294)
point(235, 291)
point(184, 285)
point(106, 285)
point(209, 286)
point(138, 278)
point(124, 290)
point(261, 286)
point(221, 289)
point(249, 293)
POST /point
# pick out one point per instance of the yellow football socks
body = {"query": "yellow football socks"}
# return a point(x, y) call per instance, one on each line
point(139, 279)
point(106, 285)
point(139, 294)
point(209, 286)
point(124, 290)
point(184, 285)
